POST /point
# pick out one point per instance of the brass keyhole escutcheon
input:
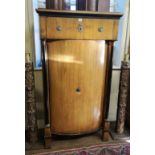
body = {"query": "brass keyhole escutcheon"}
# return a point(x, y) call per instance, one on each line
point(80, 28)
point(59, 28)
point(101, 29)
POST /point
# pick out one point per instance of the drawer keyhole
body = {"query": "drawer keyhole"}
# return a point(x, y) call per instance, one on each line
point(80, 28)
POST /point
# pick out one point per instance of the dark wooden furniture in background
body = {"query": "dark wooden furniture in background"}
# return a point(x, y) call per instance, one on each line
point(77, 58)
point(57, 4)
point(93, 5)
point(81, 4)
point(87, 5)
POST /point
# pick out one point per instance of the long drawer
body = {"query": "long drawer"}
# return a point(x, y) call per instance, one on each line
point(79, 28)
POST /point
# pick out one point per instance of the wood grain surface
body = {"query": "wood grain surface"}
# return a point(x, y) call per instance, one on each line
point(43, 27)
point(70, 27)
point(77, 71)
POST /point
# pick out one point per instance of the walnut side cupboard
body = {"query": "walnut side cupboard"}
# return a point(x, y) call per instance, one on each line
point(77, 49)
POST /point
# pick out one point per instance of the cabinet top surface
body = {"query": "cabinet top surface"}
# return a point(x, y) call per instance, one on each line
point(89, 14)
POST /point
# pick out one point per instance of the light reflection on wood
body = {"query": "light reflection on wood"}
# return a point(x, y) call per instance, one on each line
point(65, 59)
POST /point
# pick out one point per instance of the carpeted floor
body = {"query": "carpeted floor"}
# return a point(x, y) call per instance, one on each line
point(100, 149)
point(82, 145)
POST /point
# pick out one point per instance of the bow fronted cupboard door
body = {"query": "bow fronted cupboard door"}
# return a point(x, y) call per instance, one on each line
point(77, 52)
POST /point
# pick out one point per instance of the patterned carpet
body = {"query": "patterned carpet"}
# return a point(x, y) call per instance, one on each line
point(101, 149)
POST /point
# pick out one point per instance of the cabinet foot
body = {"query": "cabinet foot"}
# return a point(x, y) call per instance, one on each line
point(106, 131)
point(47, 137)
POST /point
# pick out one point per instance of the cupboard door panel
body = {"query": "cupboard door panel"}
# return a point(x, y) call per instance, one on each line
point(76, 71)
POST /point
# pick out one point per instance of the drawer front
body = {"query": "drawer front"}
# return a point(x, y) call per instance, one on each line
point(81, 28)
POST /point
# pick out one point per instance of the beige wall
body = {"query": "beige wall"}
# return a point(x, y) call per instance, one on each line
point(114, 95)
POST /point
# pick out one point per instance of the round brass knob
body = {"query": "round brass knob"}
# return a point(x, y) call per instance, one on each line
point(59, 28)
point(100, 29)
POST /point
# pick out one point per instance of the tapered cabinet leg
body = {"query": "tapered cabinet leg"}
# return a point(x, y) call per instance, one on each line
point(106, 131)
point(47, 137)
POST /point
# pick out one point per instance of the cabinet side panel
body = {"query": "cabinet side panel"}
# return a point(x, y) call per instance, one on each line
point(115, 29)
point(43, 27)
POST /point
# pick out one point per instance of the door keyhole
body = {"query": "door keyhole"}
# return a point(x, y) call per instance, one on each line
point(78, 90)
